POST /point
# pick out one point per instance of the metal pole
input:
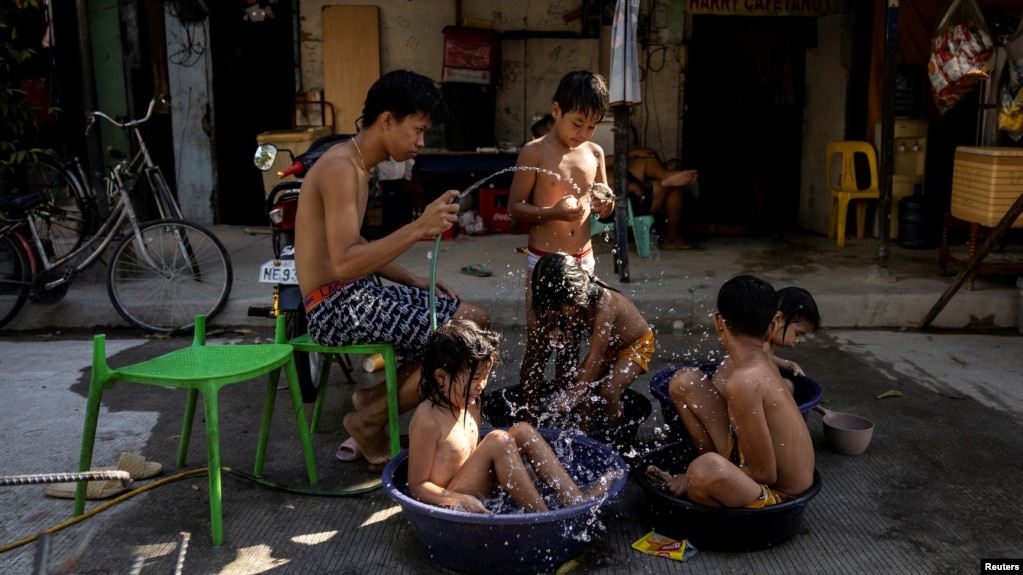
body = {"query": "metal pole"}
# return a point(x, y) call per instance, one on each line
point(621, 140)
point(93, 144)
point(887, 159)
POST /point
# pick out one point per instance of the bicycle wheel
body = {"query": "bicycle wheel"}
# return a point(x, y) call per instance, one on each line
point(181, 270)
point(166, 204)
point(15, 278)
point(63, 222)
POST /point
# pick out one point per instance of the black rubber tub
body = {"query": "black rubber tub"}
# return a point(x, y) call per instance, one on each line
point(715, 529)
point(808, 394)
point(502, 407)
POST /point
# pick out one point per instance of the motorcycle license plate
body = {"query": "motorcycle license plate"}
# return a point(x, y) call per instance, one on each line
point(278, 272)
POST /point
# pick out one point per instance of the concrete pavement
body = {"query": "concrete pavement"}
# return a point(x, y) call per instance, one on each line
point(670, 286)
point(936, 492)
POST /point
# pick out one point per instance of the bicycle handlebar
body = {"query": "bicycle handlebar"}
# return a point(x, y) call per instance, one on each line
point(91, 116)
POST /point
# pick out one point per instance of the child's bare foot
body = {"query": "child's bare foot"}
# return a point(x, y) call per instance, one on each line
point(657, 477)
point(602, 485)
point(682, 178)
point(370, 441)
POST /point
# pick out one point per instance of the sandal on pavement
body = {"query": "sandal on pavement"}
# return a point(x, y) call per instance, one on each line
point(135, 464)
point(476, 270)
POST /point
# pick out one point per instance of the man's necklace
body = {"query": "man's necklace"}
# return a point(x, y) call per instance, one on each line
point(361, 161)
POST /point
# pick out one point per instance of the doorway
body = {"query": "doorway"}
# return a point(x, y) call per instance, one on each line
point(253, 91)
point(743, 121)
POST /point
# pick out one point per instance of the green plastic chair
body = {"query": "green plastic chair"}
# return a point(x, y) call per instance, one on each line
point(640, 225)
point(200, 369)
point(305, 343)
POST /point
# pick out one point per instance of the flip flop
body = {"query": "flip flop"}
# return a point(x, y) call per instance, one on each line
point(95, 490)
point(348, 451)
point(476, 270)
point(135, 464)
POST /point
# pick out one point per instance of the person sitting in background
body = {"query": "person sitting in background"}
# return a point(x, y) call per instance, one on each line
point(658, 191)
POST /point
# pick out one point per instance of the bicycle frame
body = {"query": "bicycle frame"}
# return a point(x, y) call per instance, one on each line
point(122, 210)
point(142, 161)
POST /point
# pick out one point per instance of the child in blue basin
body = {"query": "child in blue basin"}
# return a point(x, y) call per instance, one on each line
point(568, 302)
point(449, 465)
point(699, 398)
point(773, 454)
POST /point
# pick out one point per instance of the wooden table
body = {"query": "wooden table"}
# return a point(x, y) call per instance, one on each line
point(977, 232)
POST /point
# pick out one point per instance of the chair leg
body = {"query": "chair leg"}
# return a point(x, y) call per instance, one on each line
point(269, 401)
point(393, 415)
point(98, 380)
point(843, 215)
point(861, 218)
point(186, 426)
point(298, 406)
point(321, 392)
point(641, 229)
point(209, 401)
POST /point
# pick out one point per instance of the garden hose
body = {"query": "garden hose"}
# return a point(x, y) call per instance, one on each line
point(132, 493)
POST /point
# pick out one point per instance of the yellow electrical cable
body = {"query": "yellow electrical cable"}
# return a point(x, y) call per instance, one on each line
point(182, 475)
point(102, 507)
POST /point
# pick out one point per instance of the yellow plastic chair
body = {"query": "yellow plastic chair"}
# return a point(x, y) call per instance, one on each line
point(200, 369)
point(640, 229)
point(305, 343)
point(848, 189)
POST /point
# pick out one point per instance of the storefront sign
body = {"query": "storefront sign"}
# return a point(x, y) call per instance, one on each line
point(756, 7)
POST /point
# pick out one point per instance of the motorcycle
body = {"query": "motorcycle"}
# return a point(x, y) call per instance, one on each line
point(281, 207)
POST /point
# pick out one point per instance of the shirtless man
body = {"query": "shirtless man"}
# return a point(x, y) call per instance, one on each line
point(558, 207)
point(773, 456)
point(334, 263)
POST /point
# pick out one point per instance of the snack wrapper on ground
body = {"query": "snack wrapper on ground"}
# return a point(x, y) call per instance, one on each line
point(656, 544)
point(961, 54)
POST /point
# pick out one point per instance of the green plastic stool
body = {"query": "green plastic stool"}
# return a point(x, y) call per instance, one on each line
point(640, 229)
point(305, 343)
point(199, 369)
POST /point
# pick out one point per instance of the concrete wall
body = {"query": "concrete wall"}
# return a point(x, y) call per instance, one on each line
point(823, 121)
point(411, 37)
point(190, 77)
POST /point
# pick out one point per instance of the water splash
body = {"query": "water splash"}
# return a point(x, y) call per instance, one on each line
point(556, 175)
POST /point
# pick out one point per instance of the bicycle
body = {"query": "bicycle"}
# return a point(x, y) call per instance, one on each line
point(71, 212)
point(161, 275)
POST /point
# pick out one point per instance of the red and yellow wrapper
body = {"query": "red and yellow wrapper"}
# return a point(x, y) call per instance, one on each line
point(655, 544)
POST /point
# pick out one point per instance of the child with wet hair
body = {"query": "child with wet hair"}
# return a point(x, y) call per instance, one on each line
point(569, 302)
point(774, 458)
point(699, 398)
point(449, 465)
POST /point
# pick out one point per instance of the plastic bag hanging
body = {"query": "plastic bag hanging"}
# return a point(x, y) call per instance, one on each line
point(961, 53)
point(1010, 107)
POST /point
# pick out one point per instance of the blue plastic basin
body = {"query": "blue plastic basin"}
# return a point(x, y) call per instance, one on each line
point(500, 408)
point(512, 543)
point(710, 528)
point(808, 394)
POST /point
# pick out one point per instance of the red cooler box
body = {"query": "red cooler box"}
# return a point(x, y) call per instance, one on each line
point(494, 211)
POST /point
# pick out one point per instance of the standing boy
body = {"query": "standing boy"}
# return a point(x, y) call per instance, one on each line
point(334, 263)
point(558, 206)
point(775, 458)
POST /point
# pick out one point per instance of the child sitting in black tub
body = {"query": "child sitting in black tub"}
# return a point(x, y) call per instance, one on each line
point(449, 465)
point(772, 457)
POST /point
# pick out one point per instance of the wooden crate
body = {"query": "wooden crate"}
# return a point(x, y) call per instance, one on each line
point(985, 183)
